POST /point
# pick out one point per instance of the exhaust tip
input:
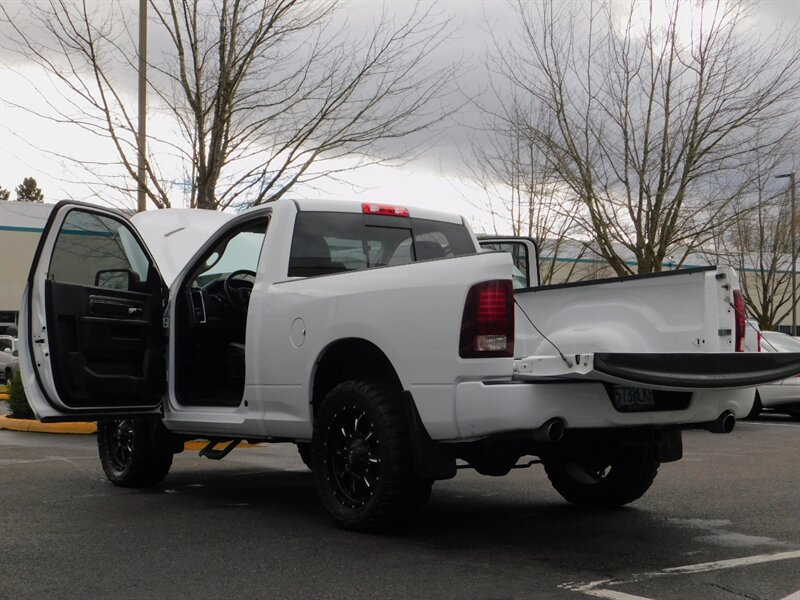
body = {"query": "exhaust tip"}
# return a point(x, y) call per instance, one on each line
point(555, 431)
point(728, 423)
point(723, 424)
point(552, 431)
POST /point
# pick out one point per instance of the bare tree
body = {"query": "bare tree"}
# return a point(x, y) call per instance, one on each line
point(521, 192)
point(253, 97)
point(652, 121)
point(765, 276)
point(760, 244)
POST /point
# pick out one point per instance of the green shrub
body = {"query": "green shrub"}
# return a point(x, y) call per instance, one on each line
point(17, 401)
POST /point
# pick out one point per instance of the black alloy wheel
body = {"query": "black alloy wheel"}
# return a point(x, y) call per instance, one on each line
point(354, 466)
point(121, 446)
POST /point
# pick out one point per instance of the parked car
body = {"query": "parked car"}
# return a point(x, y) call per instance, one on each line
point(9, 363)
point(784, 395)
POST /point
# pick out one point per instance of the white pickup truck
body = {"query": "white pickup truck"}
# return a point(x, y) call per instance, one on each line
point(383, 341)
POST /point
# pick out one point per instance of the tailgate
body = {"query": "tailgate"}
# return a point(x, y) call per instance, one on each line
point(678, 371)
point(687, 311)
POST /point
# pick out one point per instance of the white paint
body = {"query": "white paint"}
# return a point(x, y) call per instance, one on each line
point(585, 587)
point(727, 564)
point(614, 595)
point(598, 589)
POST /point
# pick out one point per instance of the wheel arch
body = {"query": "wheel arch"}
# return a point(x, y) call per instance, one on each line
point(350, 358)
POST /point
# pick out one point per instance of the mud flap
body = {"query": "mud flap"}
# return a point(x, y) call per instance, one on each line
point(431, 460)
point(667, 444)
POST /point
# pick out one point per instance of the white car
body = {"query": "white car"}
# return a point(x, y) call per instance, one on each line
point(784, 395)
point(9, 363)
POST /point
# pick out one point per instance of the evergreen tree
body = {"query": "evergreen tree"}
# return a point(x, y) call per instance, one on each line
point(28, 191)
point(4, 194)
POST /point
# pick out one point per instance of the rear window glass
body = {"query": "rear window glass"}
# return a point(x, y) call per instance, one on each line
point(326, 242)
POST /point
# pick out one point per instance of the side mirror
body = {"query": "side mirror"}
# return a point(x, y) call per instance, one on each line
point(15, 353)
point(523, 253)
point(114, 279)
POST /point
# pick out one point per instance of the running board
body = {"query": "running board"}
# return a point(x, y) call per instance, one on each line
point(212, 453)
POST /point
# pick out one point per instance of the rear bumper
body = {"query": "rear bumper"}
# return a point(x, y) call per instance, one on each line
point(486, 408)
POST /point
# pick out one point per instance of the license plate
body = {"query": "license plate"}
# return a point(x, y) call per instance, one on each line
point(630, 399)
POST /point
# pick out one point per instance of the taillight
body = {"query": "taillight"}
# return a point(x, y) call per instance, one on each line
point(759, 345)
point(738, 305)
point(487, 327)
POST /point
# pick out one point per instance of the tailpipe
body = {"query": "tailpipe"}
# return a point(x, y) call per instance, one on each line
point(723, 423)
point(552, 431)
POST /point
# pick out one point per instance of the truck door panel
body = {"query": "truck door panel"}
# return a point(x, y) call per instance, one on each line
point(92, 319)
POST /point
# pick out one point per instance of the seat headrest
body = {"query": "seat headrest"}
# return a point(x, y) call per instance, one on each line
point(429, 250)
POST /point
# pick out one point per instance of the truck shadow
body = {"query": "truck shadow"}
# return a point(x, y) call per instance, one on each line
point(457, 523)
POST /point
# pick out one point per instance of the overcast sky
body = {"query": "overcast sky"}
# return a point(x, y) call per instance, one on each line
point(433, 180)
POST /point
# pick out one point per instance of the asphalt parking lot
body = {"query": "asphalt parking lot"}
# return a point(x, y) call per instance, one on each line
point(724, 523)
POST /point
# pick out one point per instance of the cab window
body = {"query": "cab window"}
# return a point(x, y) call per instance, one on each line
point(325, 243)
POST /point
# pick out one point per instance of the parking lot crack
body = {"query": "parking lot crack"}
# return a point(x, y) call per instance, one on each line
point(734, 592)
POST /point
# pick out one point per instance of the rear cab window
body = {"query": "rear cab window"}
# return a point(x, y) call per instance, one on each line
point(334, 242)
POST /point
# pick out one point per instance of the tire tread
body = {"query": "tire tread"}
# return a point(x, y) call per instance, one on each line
point(400, 492)
point(150, 461)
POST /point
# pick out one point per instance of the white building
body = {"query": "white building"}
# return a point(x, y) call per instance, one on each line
point(21, 225)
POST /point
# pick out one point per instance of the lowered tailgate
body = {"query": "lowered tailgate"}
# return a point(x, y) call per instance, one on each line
point(673, 331)
point(676, 371)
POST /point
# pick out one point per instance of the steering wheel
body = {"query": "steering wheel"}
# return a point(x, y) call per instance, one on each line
point(237, 291)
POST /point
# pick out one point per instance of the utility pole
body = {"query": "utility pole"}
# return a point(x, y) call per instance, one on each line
point(141, 141)
point(793, 247)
